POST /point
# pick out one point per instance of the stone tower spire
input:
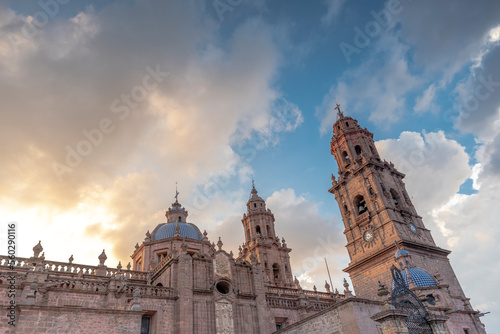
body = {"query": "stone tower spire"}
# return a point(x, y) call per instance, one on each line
point(377, 212)
point(176, 213)
point(261, 241)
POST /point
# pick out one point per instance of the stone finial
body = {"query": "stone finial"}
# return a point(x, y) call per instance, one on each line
point(119, 266)
point(102, 258)
point(70, 260)
point(382, 290)
point(314, 288)
point(37, 249)
point(43, 256)
point(128, 266)
point(219, 244)
point(334, 182)
point(177, 232)
point(336, 291)
point(347, 292)
point(205, 233)
point(240, 251)
point(297, 283)
point(283, 242)
point(148, 237)
point(136, 246)
point(327, 287)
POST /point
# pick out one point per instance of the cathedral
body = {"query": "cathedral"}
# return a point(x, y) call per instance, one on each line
point(180, 282)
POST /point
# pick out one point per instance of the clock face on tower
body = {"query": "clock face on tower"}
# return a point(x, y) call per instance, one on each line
point(413, 228)
point(368, 236)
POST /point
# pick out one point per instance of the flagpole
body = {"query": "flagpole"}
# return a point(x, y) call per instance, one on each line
point(328, 270)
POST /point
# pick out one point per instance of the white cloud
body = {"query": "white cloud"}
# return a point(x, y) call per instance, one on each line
point(465, 224)
point(334, 7)
point(64, 80)
point(435, 166)
point(424, 103)
point(380, 82)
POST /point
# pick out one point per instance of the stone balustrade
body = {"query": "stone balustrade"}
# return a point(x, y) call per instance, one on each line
point(150, 291)
point(88, 285)
point(70, 268)
point(282, 302)
point(295, 292)
point(160, 265)
point(282, 291)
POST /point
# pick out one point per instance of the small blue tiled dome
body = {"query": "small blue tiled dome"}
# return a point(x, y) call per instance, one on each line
point(168, 230)
point(420, 277)
point(399, 253)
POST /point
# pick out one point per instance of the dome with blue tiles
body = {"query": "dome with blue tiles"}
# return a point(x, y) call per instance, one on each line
point(420, 277)
point(176, 217)
point(186, 230)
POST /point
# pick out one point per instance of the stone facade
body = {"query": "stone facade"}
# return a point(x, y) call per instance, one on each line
point(180, 282)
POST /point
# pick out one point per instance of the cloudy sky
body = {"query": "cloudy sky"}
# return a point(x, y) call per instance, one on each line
point(105, 105)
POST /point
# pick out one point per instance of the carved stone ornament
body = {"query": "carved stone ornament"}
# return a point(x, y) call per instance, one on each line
point(224, 318)
point(102, 258)
point(37, 249)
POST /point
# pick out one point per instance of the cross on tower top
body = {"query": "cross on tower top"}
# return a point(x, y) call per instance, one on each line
point(340, 113)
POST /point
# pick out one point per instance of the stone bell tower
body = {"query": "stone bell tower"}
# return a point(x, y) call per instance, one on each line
point(260, 239)
point(378, 215)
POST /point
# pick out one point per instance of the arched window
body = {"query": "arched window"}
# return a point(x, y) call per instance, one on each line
point(269, 231)
point(254, 205)
point(257, 229)
point(276, 271)
point(159, 284)
point(395, 197)
point(346, 157)
point(357, 148)
point(360, 203)
point(347, 124)
point(179, 219)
